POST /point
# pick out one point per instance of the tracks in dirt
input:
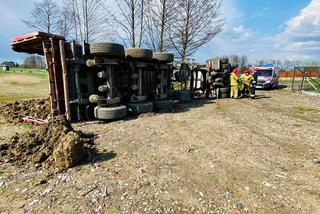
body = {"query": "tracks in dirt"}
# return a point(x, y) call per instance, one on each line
point(206, 158)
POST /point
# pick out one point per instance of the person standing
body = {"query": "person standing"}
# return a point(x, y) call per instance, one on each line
point(247, 79)
point(253, 84)
point(234, 78)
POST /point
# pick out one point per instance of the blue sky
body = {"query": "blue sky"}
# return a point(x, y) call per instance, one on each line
point(261, 29)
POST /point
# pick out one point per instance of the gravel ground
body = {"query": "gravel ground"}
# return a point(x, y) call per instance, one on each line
point(226, 156)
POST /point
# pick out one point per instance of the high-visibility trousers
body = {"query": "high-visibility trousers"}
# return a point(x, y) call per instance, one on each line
point(234, 91)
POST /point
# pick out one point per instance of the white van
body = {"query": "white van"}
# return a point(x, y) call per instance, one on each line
point(268, 76)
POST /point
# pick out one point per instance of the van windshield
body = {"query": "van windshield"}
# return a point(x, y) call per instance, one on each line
point(264, 73)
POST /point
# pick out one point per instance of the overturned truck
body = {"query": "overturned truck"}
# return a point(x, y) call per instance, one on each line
point(106, 81)
point(101, 80)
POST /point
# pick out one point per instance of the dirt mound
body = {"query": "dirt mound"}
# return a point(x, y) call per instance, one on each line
point(38, 108)
point(53, 145)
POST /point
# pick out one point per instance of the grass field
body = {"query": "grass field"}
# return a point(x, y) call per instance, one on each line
point(27, 70)
point(34, 72)
point(17, 86)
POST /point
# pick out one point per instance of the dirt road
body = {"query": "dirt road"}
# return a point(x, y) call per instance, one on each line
point(226, 156)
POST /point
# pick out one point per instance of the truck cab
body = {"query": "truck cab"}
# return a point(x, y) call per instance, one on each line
point(268, 76)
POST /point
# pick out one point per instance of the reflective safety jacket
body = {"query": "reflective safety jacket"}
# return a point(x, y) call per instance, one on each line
point(234, 79)
point(247, 79)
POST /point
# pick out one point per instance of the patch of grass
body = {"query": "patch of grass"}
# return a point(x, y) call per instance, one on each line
point(21, 86)
point(176, 85)
point(27, 70)
point(303, 109)
point(27, 125)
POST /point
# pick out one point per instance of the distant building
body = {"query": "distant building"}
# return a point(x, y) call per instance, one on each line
point(5, 68)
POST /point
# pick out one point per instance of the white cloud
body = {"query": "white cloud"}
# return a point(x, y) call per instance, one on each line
point(240, 33)
point(301, 34)
point(307, 22)
point(298, 39)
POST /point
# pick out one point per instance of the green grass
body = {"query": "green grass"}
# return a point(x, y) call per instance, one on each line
point(303, 109)
point(308, 87)
point(29, 71)
point(22, 86)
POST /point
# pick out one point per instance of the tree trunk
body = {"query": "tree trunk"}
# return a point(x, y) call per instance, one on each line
point(141, 24)
point(162, 25)
point(186, 34)
point(133, 36)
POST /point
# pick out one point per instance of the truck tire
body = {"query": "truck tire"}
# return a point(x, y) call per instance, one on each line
point(163, 105)
point(224, 90)
point(110, 113)
point(107, 50)
point(218, 85)
point(140, 108)
point(221, 93)
point(163, 57)
point(138, 53)
point(216, 73)
point(219, 80)
point(224, 93)
point(183, 96)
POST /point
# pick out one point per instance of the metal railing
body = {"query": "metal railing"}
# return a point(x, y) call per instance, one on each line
point(308, 81)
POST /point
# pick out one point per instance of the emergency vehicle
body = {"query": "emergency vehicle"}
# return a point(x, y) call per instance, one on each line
point(268, 76)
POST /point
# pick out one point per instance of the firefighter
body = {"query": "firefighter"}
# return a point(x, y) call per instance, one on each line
point(234, 83)
point(247, 79)
point(253, 84)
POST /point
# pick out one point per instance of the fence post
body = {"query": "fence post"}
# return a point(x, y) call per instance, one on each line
point(293, 78)
point(303, 79)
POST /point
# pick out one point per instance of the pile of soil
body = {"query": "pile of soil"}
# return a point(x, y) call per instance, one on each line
point(55, 145)
point(38, 108)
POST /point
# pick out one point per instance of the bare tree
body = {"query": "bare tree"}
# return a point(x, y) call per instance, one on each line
point(244, 62)
point(196, 24)
point(159, 17)
point(129, 21)
point(278, 62)
point(86, 19)
point(273, 61)
point(260, 62)
point(44, 16)
point(235, 59)
point(34, 61)
point(64, 22)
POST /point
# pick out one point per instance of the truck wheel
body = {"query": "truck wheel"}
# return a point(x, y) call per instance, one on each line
point(107, 50)
point(216, 73)
point(163, 57)
point(110, 113)
point(163, 105)
point(221, 93)
point(224, 95)
point(138, 53)
point(218, 80)
point(218, 85)
point(140, 108)
point(224, 90)
point(183, 96)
